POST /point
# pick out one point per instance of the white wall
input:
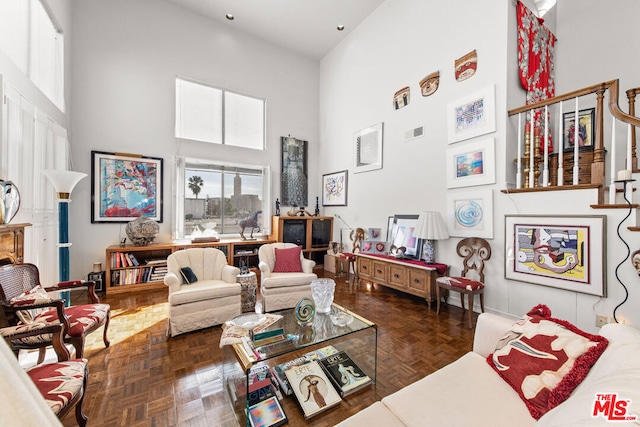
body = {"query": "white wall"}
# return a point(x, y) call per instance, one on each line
point(400, 43)
point(126, 55)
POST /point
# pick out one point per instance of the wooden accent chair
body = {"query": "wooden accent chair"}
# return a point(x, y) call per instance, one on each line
point(356, 236)
point(62, 383)
point(475, 252)
point(24, 300)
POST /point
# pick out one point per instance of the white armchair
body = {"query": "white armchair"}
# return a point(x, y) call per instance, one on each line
point(211, 300)
point(280, 290)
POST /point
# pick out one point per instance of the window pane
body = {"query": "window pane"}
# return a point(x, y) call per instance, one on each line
point(244, 121)
point(14, 31)
point(217, 198)
point(198, 112)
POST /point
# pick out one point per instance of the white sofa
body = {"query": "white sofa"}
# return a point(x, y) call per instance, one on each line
point(283, 290)
point(468, 392)
point(212, 300)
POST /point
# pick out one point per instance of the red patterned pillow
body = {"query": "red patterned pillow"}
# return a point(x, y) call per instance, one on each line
point(544, 359)
point(288, 260)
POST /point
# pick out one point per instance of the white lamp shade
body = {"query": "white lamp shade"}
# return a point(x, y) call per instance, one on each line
point(431, 226)
point(63, 181)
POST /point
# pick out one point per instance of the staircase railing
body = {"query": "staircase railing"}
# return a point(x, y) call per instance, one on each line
point(541, 170)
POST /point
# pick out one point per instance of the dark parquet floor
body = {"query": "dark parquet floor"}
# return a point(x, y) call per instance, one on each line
point(148, 379)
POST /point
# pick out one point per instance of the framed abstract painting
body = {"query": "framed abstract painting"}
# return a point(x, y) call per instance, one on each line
point(125, 187)
point(564, 251)
point(470, 214)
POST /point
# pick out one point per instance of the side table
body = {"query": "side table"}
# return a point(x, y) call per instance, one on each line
point(249, 291)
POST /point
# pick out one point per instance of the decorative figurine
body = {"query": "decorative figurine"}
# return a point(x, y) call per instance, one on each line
point(277, 207)
point(317, 212)
point(251, 222)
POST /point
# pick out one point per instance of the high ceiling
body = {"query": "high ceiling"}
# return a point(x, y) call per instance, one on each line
point(307, 27)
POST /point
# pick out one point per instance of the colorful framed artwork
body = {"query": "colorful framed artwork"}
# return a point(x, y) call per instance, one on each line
point(564, 252)
point(294, 173)
point(368, 149)
point(125, 187)
point(471, 164)
point(470, 214)
point(472, 116)
point(334, 189)
point(586, 129)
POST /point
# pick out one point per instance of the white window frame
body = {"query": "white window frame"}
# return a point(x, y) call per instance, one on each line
point(224, 137)
point(179, 191)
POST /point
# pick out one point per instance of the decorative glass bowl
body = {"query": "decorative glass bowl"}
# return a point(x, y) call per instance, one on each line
point(341, 318)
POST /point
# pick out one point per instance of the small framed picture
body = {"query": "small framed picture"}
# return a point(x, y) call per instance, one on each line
point(586, 129)
point(374, 233)
point(334, 189)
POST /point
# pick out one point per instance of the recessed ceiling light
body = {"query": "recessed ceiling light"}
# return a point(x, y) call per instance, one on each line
point(230, 17)
point(340, 27)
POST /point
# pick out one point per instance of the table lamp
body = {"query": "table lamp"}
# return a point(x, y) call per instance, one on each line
point(430, 227)
point(63, 182)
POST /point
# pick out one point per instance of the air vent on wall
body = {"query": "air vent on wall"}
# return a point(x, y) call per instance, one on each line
point(414, 133)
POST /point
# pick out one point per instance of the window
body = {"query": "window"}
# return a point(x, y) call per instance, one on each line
point(215, 199)
point(32, 39)
point(206, 113)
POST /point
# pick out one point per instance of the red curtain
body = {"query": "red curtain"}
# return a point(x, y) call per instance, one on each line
point(536, 48)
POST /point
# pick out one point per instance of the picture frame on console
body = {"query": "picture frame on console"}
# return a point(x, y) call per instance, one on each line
point(563, 251)
point(586, 129)
point(125, 187)
point(400, 232)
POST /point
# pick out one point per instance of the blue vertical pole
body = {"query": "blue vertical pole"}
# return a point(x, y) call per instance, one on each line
point(63, 247)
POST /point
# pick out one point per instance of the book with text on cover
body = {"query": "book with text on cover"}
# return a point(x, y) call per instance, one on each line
point(312, 388)
point(346, 375)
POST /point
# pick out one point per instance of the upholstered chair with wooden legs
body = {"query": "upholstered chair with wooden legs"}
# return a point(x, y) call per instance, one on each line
point(24, 300)
point(474, 251)
point(61, 384)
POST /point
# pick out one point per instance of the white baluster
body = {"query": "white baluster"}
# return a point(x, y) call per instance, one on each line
point(629, 174)
point(612, 185)
point(531, 152)
point(576, 145)
point(520, 142)
point(561, 150)
point(545, 170)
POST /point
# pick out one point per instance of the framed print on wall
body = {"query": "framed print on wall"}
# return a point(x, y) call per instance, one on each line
point(470, 214)
point(334, 189)
point(368, 149)
point(125, 187)
point(472, 116)
point(586, 129)
point(471, 164)
point(294, 175)
point(564, 251)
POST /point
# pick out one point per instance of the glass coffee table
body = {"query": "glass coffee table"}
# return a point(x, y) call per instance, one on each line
point(243, 363)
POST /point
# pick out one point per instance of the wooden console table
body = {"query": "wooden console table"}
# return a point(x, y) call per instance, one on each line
point(410, 276)
point(12, 243)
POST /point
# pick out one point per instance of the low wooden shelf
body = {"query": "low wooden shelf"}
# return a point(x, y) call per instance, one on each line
point(138, 277)
point(415, 278)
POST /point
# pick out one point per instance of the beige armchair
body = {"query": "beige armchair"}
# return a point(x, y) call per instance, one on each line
point(212, 297)
point(281, 290)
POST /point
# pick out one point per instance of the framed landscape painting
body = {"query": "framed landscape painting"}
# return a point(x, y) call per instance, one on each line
point(564, 252)
point(125, 187)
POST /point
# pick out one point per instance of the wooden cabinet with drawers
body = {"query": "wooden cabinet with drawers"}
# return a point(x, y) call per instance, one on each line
point(410, 277)
point(12, 243)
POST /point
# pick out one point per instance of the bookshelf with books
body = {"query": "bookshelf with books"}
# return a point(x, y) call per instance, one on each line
point(132, 267)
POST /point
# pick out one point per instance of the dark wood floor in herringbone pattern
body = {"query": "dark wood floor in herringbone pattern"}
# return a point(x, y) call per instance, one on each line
point(147, 379)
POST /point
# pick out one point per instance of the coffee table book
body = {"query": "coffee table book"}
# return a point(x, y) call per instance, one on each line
point(345, 374)
point(312, 388)
point(267, 413)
